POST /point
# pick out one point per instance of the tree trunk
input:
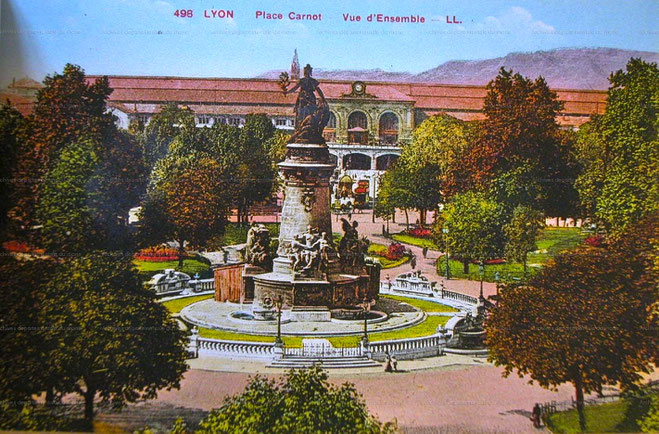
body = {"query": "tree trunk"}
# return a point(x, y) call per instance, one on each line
point(407, 220)
point(181, 254)
point(580, 408)
point(89, 405)
point(422, 218)
point(393, 216)
point(50, 395)
point(465, 266)
point(524, 264)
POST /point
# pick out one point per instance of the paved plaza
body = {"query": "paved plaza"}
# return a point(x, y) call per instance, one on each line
point(446, 394)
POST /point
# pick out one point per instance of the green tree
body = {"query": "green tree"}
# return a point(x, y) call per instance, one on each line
point(474, 228)
point(384, 207)
point(256, 172)
point(429, 166)
point(521, 233)
point(197, 204)
point(395, 191)
point(24, 368)
point(110, 337)
point(69, 219)
point(629, 129)
point(162, 129)
point(521, 153)
point(594, 156)
point(67, 108)
point(304, 402)
point(10, 143)
point(586, 318)
point(192, 188)
point(443, 141)
point(86, 195)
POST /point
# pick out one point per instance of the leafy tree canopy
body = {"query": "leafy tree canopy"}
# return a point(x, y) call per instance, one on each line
point(109, 335)
point(627, 165)
point(67, 109)
point(304, 402)
point(520, 141)
point(471, 227)
point(10, 144)
point(588, 318)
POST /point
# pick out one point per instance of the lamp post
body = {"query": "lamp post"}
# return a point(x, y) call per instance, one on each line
point(279, 302)
point(481, 271)
point(366, 306)
point(448, 265)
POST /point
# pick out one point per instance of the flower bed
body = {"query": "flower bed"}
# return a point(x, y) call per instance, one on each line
point(420, 232)
point(395, 251)
point(594, 241)
point(157, 254)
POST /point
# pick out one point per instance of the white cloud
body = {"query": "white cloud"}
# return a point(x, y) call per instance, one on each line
point(515, 19)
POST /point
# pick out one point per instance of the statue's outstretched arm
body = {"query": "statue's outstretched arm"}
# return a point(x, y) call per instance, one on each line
point(293, 89)
point(320, 93)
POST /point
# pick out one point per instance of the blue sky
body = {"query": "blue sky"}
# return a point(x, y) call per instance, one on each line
point(144, 37)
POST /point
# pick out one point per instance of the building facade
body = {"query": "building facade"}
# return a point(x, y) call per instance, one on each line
point(369, 122)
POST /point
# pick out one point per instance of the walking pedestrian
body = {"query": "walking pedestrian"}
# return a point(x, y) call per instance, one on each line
point(394, 363)
point(425, 251)
point(387, 366)
point(413, 261)
point(535, 415)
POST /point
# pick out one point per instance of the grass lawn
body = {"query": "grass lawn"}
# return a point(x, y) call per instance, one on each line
point(415, 241)
point(175, 306)
point(374, 249)
point(424, 305)
point(619, 416)
point(190, 266)
point(289, 341)
point(550, 242)
point(425, 328)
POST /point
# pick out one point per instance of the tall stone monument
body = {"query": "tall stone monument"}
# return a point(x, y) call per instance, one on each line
point(310, 274)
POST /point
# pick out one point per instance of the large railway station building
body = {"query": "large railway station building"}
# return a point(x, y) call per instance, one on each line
point(369, 120)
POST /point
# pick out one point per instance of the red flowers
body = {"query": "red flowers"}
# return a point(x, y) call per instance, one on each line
point(157, 254)
point(420, 232)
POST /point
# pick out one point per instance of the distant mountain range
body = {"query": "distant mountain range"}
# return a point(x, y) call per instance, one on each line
point(572, 68)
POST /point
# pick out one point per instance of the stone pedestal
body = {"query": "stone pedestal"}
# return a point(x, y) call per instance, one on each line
point(306, 172)
point(307, 287)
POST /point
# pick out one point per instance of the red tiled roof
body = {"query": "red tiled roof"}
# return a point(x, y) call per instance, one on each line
point(26, 82)
point(22, 104)
point(241, 96)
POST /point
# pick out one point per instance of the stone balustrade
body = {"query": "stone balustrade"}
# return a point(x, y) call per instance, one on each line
point(211, 347)
point(202, 285)
point(412, 348)
point(451, 295)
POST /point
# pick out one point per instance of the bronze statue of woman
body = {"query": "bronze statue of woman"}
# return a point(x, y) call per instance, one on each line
point(311, 117)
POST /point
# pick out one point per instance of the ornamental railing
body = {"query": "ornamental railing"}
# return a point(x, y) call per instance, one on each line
point(452, 295)
point(323, 351)
point(202, 285)
point(410, 346)
point(235, 348)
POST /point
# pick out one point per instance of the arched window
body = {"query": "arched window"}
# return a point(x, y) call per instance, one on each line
point(358, 128)
point(383, 162)
point(356, 162)
point(329, 133)
point(388, 129)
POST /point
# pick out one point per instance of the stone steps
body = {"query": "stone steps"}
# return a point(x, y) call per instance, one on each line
point(325, 363)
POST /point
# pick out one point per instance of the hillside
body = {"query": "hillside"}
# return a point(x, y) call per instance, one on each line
point(576, 68)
